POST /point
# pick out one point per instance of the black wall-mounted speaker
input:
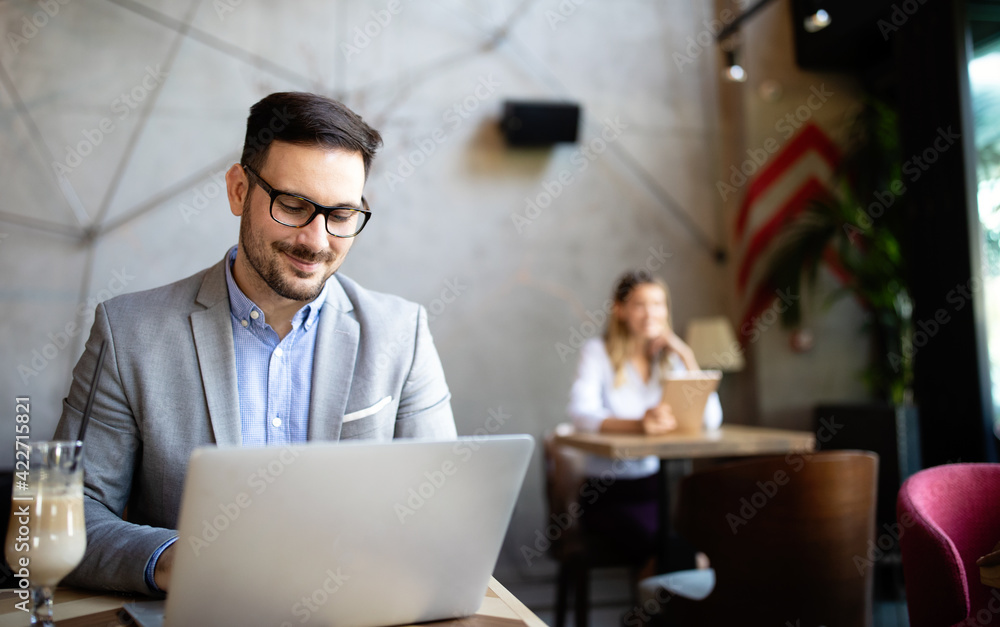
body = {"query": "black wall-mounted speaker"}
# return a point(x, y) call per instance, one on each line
point(539, 123)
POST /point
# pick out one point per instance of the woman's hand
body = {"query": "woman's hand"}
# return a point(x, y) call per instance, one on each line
point(670, 341)
point(656, 421)
point(659, 420)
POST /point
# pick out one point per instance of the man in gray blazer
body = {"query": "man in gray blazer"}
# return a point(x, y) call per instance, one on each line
point(267, 347)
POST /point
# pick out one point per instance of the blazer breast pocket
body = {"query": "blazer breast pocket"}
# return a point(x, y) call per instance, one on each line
point(375, 422)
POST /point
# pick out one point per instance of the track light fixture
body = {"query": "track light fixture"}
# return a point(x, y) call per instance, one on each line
point(728, 36)
point(734, 72)
point(817, 21)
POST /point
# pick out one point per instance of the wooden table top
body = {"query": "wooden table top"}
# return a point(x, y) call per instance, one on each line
point(82, 608)
point(989, 567)
point(990, 576)
point(727, 441)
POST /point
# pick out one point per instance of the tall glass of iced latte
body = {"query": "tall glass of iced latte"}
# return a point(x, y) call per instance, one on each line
point(46, 536)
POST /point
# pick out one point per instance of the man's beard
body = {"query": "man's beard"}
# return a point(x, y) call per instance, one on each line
point(268, 266)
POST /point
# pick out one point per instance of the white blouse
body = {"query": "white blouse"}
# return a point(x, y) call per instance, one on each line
point(594, 397)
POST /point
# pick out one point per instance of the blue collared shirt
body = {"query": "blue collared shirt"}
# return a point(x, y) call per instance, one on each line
point(274, 377)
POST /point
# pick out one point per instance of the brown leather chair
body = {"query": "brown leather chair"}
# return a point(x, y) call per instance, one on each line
point(788, 538)
point(576, 551)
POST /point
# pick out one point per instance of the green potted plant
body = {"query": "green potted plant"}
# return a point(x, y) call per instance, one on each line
point(860, 231)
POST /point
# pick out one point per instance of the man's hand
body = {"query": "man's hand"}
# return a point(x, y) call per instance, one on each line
point(659, 420)
point(165, 563)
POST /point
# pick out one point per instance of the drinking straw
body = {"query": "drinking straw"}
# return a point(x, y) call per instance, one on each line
point(93, 392)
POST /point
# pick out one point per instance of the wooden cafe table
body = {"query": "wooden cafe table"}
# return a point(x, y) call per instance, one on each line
point(726, 441)
point(989, 567)
point(81, 608)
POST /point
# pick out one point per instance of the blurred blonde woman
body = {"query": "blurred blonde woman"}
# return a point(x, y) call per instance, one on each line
point(618, 390)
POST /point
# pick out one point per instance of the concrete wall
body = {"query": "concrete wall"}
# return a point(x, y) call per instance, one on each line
point(156, 94)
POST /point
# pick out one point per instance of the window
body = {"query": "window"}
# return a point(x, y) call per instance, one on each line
point(984, 79)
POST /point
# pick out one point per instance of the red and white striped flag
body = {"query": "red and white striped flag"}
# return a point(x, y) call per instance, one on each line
point(800, 172)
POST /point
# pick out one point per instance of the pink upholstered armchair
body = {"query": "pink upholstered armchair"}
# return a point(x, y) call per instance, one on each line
point(949, 516)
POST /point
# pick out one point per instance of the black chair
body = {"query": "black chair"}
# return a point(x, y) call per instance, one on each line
point(577, 552)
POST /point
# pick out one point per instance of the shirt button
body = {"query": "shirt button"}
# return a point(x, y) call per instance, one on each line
point(254, 314)
point(278, 352)
point(244, 322)
point(276, 422)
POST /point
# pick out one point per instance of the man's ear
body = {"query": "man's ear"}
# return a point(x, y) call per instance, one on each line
point(237, 188)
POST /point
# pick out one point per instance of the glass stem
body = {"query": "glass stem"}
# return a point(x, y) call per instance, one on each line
point(41, 600)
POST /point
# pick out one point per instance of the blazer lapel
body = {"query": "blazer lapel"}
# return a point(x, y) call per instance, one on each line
point(333, 364)
point(213, 338)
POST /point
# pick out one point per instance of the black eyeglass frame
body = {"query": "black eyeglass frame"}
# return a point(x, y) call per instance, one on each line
point(318, 209)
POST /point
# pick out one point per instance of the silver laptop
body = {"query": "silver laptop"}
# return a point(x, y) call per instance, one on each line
point(346, 534)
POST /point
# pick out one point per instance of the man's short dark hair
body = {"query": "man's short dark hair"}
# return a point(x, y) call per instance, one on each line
point(306, 120)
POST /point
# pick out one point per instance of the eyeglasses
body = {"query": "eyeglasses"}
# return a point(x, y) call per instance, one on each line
point(296, 211)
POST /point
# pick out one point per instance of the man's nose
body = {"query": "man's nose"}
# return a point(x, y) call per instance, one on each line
point(314, 234)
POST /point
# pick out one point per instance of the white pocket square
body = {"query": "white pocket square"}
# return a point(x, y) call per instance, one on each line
point(367, 411)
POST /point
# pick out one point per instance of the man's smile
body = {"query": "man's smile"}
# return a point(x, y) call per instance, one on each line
point(302, 259)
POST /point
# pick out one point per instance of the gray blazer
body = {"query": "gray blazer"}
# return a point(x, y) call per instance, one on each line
point(169, 385)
